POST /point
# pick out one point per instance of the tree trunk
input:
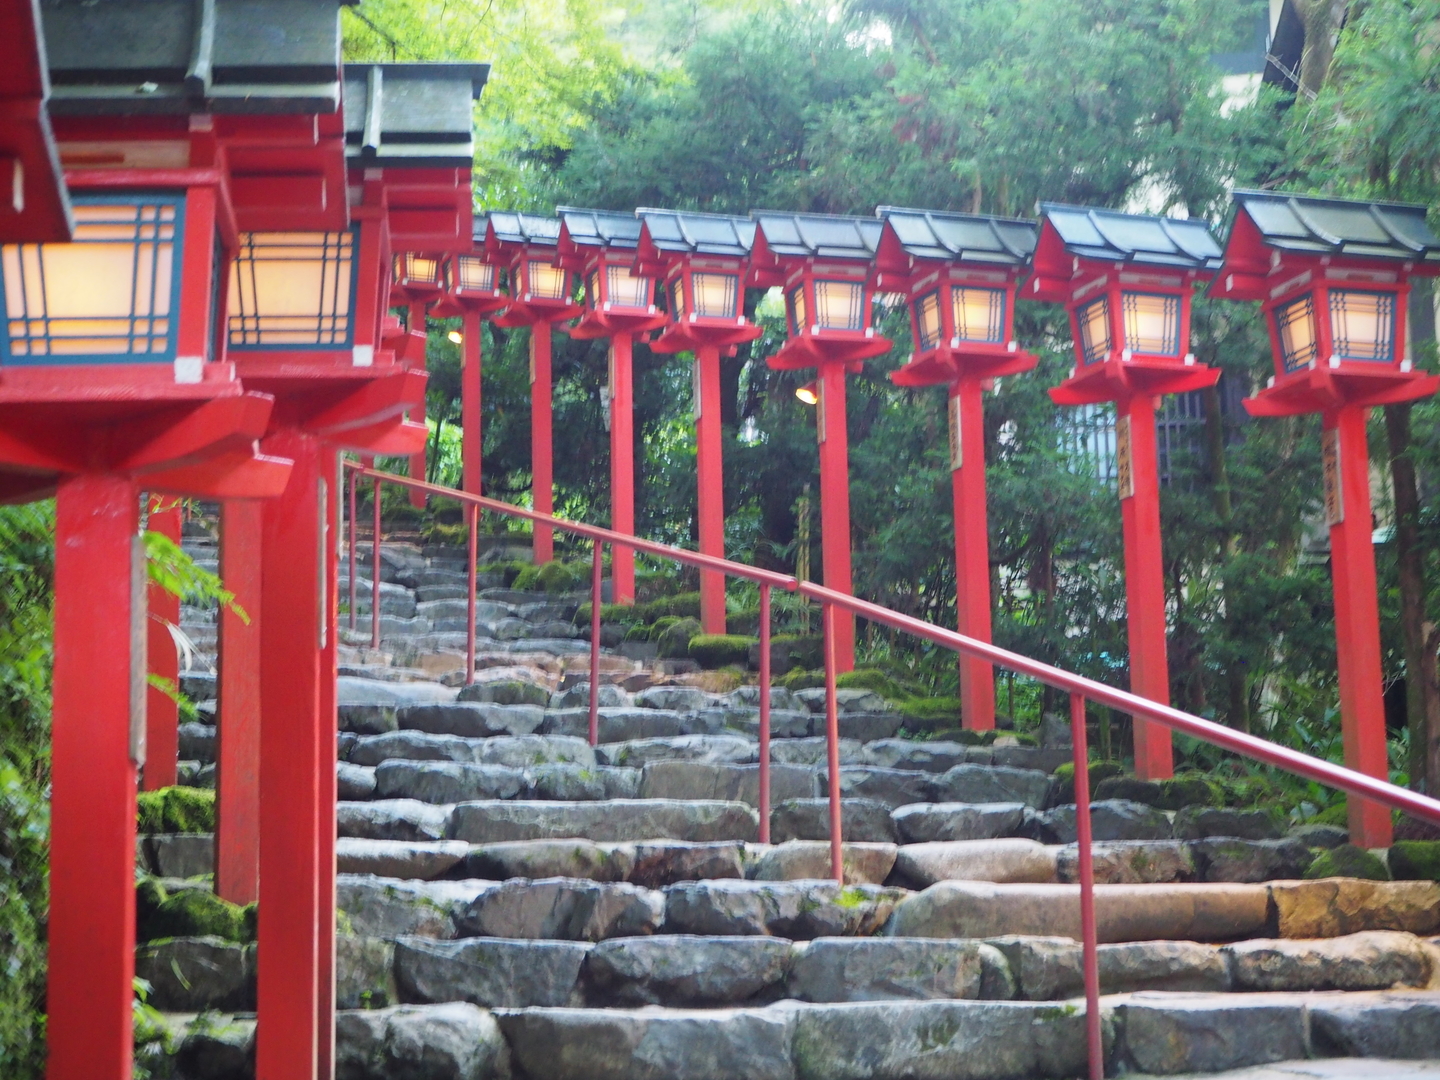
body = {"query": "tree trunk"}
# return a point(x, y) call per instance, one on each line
point(1322, 19)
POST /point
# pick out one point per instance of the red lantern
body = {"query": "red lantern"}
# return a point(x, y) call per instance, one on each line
point(959, 273)
point(1333, 279)
point(1126, 281)
point(825, 265)
point(541, 293)
point(619, 303)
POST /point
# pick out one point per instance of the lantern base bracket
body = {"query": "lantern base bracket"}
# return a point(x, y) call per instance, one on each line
point(1318, 389)
point(1114, 379)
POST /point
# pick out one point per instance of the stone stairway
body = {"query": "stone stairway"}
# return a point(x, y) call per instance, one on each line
point(518, 903)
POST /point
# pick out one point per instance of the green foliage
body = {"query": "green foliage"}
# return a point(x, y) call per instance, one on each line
point(720, 650)
point(684, 605)
point(176, 810)
point(197, 913)
point(1415, 860)
point(1350, 861)
point(872, 679)
point(553, 577)
point(509, 571)
point(674, 640)
point(931, 708)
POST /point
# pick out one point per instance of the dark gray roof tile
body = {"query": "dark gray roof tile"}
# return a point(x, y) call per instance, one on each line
point(599, 228)
point(824, 235)
point(412, 114)
point(1313, 225)
point(513, 228)
point(1134, 238)
point(698, 234)
point(934, 234)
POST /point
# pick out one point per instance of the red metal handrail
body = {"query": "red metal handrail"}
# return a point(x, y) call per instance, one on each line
point(1078, 687)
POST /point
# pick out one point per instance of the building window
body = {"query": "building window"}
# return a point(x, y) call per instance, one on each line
point(111, 294)
point(1295, 326)
point(1362, 325)
point(1152, 323)
point(292, 290)
point(979, 314)
point(1093, 323)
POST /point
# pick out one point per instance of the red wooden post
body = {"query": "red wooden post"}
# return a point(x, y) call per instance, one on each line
point(832, 743)
point(542, 445)
point(835, 503)
point(622, 466)
point(351, 532)
point(472, 529)
point(375, 567)
point(1144, 580)
point(972, 551)
point(97, 742)
point(711, 501)
point(596, 570)
point(1088, 932)
point(764, 713)
point(291, 646)
point(329, 727)
point(472, 438)
point(1357, 616)
point(237, 775)
point(162, 719)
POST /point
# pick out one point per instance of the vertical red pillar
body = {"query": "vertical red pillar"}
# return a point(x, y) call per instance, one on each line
point(622, 466)
point(326, 826)
point(972, 549)
point(710, 506)
point(416, 321)
point(471, 438)
point(97, 742)
point(292, 578)
point(162, 716)
point(1144, 578)
point(237, 772)
point(835, 503)
point(542, 447)
point(1357, 615)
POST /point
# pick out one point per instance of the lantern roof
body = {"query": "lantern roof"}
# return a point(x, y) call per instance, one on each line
point(1115, 237)
point(686, 232)
point(412, 115)
point(149, 57)
point(950, 237)
point(26, 134)
point(508, 227)
point(596, 228)
point(830, 236)
point(1306, 224)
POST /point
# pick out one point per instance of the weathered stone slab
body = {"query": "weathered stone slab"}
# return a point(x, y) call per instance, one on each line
point(411, 746)
point(1047, 968)
point(674, 698)
point(426, 1042)
point(1331, 907)
point(1007, 859)
point(1222, 858)
point(616, 820)
point(748, 697)
point(846, 700)
point(1394, 1025)
point(1130, 862)
point(548, 858)
point(991, 784)
point(1182, 911)
point(425, 860)
point(937, 1040)
point(506, 692)
point(617, 724)
point(885, 969)
point(577, 696)
point(796, 860)
point(936, 757)
point(711, 749)
point(354, 782)
point(798, 910)
point(473, 719)
point(1110, 819)
point(814, 751)
point(564, 909)
point(197, 742)
point(392, 819)
point(528, 751)
point(861, 820)
point(1193, 822)
point(493, 972)
point(865, 727)
point(566, 783)
point(1370, 960)
point(391, 907)
point(1174, 1034)
point(729, 783)
point(192, 974)
point(446, 781)
point(891, 787)
point(924, 822)
point(1040, 758)
point(657, 864)
point(364, 972)
point(642, 1044)
point(177, 855)
point(686, 970)
point(784, 723)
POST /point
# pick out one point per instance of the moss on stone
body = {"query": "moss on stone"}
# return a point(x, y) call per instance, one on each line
point(674, 640)
point(196, 913)
point(1415, 860)
point(720, 650)
point(176, 810)
point(876, 680)
point(1350, 861)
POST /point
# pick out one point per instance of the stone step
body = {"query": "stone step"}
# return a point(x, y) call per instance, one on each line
point(700, 971)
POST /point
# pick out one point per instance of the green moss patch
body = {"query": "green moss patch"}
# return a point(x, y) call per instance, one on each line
point(674, 640)
point(176, 810)
point(720, 650)
point(1350, 861)
point(1415, 860)
point(197, 913)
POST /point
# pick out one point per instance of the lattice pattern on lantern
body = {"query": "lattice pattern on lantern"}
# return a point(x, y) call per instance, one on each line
point(798, 316)
point(1295, 325)
point(927, 320)
point(1362, 325)
point(677, 298)
point(545, 282)
point(1093, 321)
point(715, 294)
point(473, 274)
point(422, 271)
point(839, 305)
point(625, 289)
point(292, 291)
point(979, 313)
point(111, 294)
point(1152, 323)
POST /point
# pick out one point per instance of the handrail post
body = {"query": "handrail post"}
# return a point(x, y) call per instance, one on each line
point(1088, 930)
point(595, 645)
point(375, 574)
point(764, 713)
point(832, 746)
point(354, 541)
point(473, 527)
